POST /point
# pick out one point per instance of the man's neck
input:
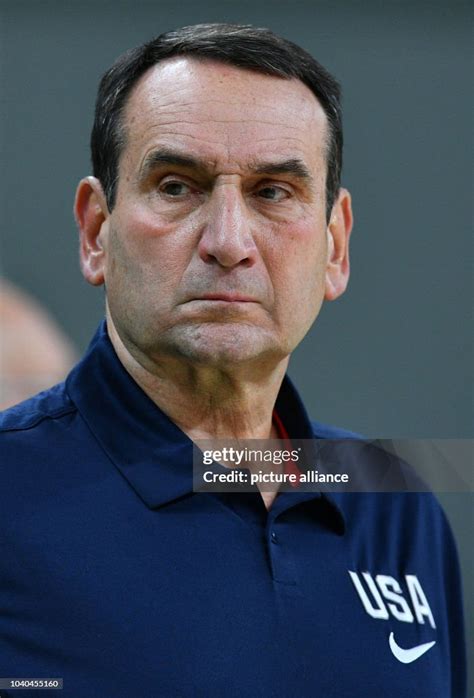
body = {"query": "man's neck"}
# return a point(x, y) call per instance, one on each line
point(203, 401)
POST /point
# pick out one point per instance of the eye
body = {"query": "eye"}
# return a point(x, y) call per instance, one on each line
point(175, 188)
point(273, 193)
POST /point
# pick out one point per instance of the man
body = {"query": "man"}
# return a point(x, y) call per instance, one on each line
point(216, 221)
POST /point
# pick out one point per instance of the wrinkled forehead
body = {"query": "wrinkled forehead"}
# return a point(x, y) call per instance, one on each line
point(224, 111)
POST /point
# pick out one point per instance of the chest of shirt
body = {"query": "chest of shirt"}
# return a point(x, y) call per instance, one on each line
point(197, 597)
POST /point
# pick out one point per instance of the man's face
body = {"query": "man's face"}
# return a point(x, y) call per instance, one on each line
point(217, 250)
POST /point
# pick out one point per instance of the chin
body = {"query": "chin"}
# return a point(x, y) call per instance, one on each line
point(222, 345)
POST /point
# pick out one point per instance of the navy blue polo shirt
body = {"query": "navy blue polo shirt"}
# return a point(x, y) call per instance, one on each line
point(118, 578)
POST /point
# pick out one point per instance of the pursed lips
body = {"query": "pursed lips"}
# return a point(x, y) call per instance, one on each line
point(226, 297)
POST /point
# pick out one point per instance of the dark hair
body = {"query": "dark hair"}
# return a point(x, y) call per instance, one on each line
point(238, 45)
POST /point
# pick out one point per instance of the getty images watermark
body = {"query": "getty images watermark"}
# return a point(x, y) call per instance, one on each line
point(262, 467)
point(350, 465)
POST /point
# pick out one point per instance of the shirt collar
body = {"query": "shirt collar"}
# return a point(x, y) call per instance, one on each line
point(151, 451)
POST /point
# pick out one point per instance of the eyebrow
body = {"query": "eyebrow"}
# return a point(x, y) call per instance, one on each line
point(294, 167)
point(157, 158)
point(161, 157)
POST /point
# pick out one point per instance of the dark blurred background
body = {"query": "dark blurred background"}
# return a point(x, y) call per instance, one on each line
point(392, 358)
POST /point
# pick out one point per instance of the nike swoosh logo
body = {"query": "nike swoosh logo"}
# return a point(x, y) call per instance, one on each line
point(411, 654)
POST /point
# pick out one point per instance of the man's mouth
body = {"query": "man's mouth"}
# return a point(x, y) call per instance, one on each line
point(226, 297)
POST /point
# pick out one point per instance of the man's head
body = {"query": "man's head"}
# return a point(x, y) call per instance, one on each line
point(241, 46)
point(212, 231)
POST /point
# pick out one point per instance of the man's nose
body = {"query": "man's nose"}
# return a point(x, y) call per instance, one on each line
point(227, 234)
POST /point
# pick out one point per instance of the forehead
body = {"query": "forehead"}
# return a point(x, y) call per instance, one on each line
point(225, 114)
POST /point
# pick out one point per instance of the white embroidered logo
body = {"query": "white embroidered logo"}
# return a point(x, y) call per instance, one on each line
point(408, 655)
point(383, 596)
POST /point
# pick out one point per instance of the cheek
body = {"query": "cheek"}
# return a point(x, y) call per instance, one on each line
point(299, 279)
point(146, 253)
point(301, 261)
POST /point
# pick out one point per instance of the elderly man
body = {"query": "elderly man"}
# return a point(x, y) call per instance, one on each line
point(216, 221)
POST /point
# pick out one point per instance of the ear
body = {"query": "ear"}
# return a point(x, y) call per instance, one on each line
point(338, 232)
point(91, 213)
